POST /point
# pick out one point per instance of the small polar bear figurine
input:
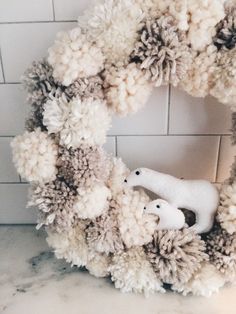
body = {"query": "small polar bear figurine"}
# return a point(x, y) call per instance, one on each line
point(199, 196)
point(170, 217)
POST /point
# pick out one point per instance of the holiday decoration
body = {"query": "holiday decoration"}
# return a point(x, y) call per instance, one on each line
point(199, 196)
point(119, 51)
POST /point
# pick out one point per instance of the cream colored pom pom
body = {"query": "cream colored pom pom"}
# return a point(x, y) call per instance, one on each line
point(34, 156)
point(98, 266)
point(136, 228)
point(127, 89)
point(224, 87)
point(78, 121)
point(117, 176)
point(227, 210)
point(114, 26)
point(205, 282)
point(73, 56)
point(70, 245)
point(198, 79)
point(131, 272)
point(91, 202)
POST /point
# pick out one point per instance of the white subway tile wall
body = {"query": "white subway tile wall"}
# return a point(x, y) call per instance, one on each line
point(175, 133)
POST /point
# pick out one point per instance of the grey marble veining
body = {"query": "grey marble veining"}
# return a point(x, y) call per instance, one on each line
point(32, 281)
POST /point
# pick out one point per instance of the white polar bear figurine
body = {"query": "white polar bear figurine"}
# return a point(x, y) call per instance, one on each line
point(199, 196)
point(170, 217)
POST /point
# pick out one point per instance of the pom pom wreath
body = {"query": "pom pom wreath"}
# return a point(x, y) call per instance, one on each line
point(224, 86)
point(91, 202)
point(205, 282)
point(227, 210)
point(73, 57)
point(162, 51)
point(131, 272)
point(55, 201)
point(136, 228)
point(221, 248)
point(83, 166)
point(78, 121)
point(108, 65)
point(126, 89)
point(226, 30)
point(113, 25)
point(198, 79)
point(34, 156)
point(176, 255)
point(103, 234)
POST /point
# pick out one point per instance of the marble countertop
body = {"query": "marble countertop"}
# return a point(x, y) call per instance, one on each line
point(33, 281)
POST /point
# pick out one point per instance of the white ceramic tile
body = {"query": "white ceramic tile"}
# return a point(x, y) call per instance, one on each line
point(13, 204)
point(7, 169)
point(13, 109)
point(110, 145)
point(227, 153)
point(69, 9)
point(191, 115)
point(23, 43)
point(150, 120)
point(25, 10)
point(190, 157)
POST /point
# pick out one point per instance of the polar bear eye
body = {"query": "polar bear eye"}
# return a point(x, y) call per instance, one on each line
point(157, 206)
point(137, 173)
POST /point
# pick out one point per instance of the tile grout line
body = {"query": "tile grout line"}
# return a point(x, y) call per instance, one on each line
point(116, 145)
point(168, 109)
point(218, 158)
point(53, 10)
point(1, 63)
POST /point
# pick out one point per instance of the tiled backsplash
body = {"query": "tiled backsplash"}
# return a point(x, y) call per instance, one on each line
point(175, 133)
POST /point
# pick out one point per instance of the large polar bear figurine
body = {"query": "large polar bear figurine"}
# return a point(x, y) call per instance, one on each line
point(199, 196)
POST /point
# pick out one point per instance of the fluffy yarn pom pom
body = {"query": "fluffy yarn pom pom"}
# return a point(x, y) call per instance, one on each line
point(176, 255)
point(70, 245)
point(226, 214)
point(162, 51)
point(73, 56)
point(91, 202)
point(86, 87)
point(34, 156)
point(55, 202)
point(126, 88)
point(204, 282)
point(78, 121)
point(224, 86)
point(83, 166)
point(103, 234)
point(113, 25)
point(98, 266)
point(221, 248)
point(136, 228)
point(203, 17)
point(198, 79)
point(131, 271)
point(119, 172)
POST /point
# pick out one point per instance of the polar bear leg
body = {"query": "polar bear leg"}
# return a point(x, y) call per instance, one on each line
point(204, 222)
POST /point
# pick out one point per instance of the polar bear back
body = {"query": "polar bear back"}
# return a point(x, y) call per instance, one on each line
point(194, 195)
